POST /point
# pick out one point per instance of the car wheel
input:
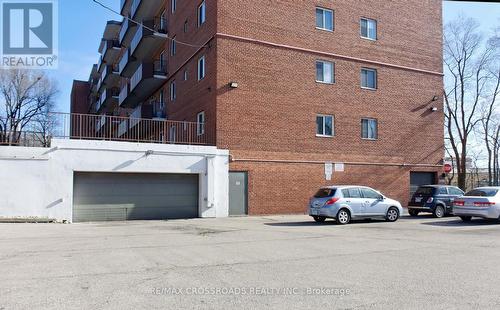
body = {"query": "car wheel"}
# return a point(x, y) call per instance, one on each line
point(466, 218)
point(343, 217)
point(392, 214)
point(413, 212)
point(439, 212)
point(319, 219)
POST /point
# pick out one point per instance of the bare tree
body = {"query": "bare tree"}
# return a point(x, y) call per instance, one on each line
point(467, 59)
point(24, 96)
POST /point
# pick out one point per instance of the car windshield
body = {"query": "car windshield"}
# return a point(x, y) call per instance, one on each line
point(325, 193)
point(483, 192)
point(424, 191)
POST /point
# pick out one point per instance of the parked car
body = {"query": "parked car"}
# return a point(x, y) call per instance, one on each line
point(344, 203)
point(435, 199)
point(481, 202)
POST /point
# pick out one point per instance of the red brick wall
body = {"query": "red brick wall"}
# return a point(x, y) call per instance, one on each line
point(193, 96)
point(79, 97)
point(272, 114)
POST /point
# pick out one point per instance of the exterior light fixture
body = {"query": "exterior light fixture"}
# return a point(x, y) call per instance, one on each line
point(435, 98)
point(434, 109)
point(233, 84)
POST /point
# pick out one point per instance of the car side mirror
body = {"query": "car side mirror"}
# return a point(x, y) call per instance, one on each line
point(381, 198)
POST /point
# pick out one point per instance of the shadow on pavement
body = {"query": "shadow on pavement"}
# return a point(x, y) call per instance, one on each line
point(329, 222)
point(456, 222)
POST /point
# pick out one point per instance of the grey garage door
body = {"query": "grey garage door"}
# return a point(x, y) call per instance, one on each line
point(123, 196)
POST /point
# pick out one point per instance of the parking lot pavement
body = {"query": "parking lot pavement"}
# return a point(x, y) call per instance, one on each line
point(279, 262)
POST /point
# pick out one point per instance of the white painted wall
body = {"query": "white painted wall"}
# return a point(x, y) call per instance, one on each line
point(38, 182)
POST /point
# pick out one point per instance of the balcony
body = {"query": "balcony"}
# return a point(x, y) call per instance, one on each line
point(147, 79)
point(124, 95)
point(128, 64)
point(125, 7)
point(144, 9)
point(109, 78)
point(108, 100)
point(148, 39)
point(110, 50)
point(127, 32)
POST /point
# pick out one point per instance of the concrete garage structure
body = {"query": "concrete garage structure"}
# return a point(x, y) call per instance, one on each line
point(78, 180)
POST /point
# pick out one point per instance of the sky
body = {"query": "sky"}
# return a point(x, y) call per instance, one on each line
point(81, 24)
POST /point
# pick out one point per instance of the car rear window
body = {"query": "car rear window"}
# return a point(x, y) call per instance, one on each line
point(423, 191)
point(484, 192)
point(325, 193)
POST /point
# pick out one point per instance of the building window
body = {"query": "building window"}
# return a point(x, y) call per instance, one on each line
point(369, 129)
point(163, 67)
point(186, 75)
point(162, 99)
point(173, 91)
point(324, 19)
point(173, 47)
point(173, 133)
point(369, 78)
point(186, 25)
point(369, 28)
point(201, 68)
point(200, 123)
point(325, 72)
point(174, 5)
point(324, 126)
point(202, 14)
point(163, 22)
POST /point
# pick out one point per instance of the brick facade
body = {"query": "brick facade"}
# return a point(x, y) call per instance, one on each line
point(269, 122)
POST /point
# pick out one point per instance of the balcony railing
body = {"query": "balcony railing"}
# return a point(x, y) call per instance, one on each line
point(144, 9)
point(148, 38)
point(109, 128)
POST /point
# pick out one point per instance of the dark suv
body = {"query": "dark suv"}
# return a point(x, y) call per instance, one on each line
point(435, 199)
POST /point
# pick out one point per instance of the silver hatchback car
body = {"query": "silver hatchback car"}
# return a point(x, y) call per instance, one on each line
point(344, 203)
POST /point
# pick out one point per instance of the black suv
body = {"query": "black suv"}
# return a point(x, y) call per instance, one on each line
point(435, 199)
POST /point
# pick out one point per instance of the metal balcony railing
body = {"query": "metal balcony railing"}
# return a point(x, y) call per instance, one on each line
point(39, 132)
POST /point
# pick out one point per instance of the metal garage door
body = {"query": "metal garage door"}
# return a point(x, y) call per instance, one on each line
point(421, 178)
point(123, 196)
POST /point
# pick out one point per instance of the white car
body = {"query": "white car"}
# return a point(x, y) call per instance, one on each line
point(481, 202)
point(344, 203)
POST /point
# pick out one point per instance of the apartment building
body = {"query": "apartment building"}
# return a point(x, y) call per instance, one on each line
point(302, 93)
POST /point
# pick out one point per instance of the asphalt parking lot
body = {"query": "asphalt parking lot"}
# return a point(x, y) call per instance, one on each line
point(279, 262)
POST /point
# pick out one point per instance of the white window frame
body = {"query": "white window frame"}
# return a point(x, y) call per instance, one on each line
point(324, 18)
point(200, 123)
point(173, 46)
point(369, 119)
point(202, 72)
point(368, 20)
point(163, 20)
point(173, 5)
point(323, 135)
point(202, 13)
point(376, 78)
point(173, 91)
point(323, 62)
point(162, 62)
point(162, 99)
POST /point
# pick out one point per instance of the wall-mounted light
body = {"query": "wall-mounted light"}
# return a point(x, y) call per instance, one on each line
point(233, 84)
point(435, 98)
point(434, 109)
